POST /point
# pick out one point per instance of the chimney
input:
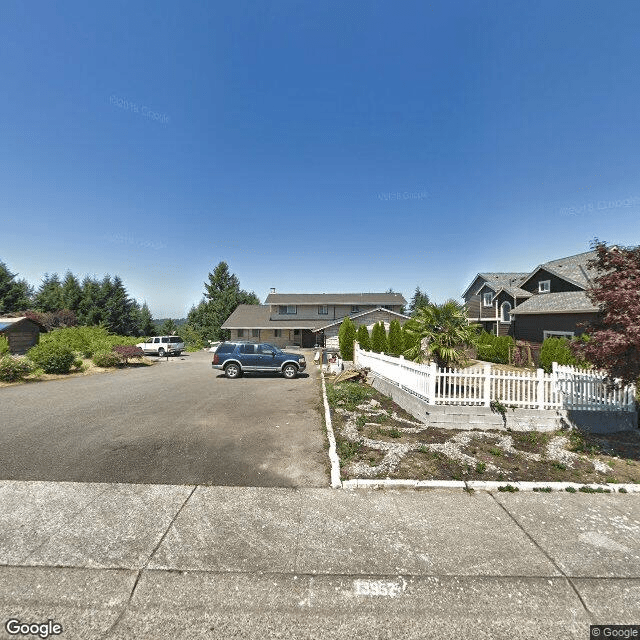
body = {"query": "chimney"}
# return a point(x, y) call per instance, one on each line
point(273, 289)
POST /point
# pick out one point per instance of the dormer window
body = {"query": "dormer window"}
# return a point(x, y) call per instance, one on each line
point(544, 286)
point(486, 299)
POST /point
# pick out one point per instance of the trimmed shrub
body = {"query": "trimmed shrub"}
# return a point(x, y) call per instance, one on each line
point(87, 340)
point(556, 350)
point(13, 369)
point(363, 337)
point(128, 351)
point(346, 338)
point(52, 357)
point(4, 346)
point(106, 359)
point(379, 342)
point(494, 348)
point(396, 345)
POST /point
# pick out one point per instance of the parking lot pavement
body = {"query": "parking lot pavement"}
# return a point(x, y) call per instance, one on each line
point(177, 422)
point(140, 561)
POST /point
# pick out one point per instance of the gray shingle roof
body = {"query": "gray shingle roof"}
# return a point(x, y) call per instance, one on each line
point(336, 298)
point(392, 314)
point(572, 268)
point(257, 316)
point(507, 281)
point(565, 302)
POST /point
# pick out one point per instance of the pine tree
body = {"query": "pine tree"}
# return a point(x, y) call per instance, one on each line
point(395, 338)
point(379, 338)
point(418, 300)
point(145, 321)
point(90, 310)
point(15, 295)
point(49, 295)
point(347, 338)
point(71, 292)
point(364, 340)
point(168, 328)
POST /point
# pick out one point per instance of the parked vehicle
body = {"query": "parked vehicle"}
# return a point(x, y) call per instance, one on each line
point(163, 345)
point(236, 358)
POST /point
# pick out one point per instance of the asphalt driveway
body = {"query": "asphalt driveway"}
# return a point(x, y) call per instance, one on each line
point(178, 422)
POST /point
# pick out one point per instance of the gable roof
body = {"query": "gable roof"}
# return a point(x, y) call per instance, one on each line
point(7, 322)
point(564, 302)
point(573, 269)
point(497, 279)
point(336, 298)
point(514, 292)
point(258, 316)
point(364, 313)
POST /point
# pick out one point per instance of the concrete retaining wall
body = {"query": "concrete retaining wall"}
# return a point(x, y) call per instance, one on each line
point(471, 417)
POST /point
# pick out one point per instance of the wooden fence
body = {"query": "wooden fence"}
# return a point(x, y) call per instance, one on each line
point(563, 388)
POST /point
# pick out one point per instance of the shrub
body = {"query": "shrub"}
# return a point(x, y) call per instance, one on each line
point(556, 350)
point(86, 340)
point(346, 338)
point(363, 337)
point(379, 342)
point(4, 346)
point(106, 359)
point(494, 348)
point(127, 351)
point(13, 369)
point(52, 357)
point(395, 338)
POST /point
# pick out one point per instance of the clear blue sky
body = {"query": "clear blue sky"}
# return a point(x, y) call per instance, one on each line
point(152, 140)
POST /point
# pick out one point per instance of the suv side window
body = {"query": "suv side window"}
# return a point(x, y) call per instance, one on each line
point(165, 340)
point(156, 340)
point(248, 348)
point(175, 339)
point(226, 347)
point(266, 348)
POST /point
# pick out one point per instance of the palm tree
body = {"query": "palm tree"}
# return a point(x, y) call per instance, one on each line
point(442, 331)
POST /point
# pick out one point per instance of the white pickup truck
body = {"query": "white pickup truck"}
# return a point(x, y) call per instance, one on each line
point(163, 345)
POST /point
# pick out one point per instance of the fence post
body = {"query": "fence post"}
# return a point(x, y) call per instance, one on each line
point(431, 383)
point(540, 393)
point(555, 390)
point(356, 348)
point(487, 385)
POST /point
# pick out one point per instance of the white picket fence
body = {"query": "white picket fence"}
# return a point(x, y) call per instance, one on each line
point(564, 388)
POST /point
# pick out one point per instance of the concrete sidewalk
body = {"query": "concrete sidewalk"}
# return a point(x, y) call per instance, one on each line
point(156, 561)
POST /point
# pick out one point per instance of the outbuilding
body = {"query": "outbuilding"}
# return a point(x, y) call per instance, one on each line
point(22, 333)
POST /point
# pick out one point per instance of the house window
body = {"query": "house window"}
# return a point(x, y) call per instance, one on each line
point(277, 333)
point(323, 310)
point(296, 332)
point(544, 286)
point(288, 309)
point(558, 334)
point(240, 333)
point(355, 308)
point(506, 311)
point(486, 299)
point(255, 333)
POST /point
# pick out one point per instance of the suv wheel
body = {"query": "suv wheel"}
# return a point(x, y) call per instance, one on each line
point(290, 371)
point(232, 370)
point(160, 352)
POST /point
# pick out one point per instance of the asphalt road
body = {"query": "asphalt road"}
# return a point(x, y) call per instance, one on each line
point(178, 422)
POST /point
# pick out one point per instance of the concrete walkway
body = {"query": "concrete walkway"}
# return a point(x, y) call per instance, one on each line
point(157, 561)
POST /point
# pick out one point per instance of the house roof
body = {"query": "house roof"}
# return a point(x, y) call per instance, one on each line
point(514, 292)
point(573, 269)
point(336, 298)
point(497, 279)
point(364, 313)
point(258, 316)
point(5, 322)
point(564, 302)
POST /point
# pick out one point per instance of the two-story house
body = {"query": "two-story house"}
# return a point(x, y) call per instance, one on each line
point(307, 319)
point(549, 301)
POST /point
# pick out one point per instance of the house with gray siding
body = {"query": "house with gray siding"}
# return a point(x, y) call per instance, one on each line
point(22, 333)
point(307, 319)
point(549, 301)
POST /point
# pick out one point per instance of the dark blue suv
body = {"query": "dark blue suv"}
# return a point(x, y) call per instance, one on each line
point(236, 358)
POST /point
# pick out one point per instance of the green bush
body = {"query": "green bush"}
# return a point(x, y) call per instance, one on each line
point(87, 340)
point(363, 337)
point(13, 369)
point(396, 345)
point(52, 357)
point(106, 359)
point(556, 350)
point(346, 338)
point(496, 349)
point(4, 346)
point(379, 341)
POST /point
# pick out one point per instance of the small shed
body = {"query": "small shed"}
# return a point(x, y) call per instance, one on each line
point(22, 333)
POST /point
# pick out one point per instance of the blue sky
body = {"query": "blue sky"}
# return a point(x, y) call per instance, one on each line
point(315, 147)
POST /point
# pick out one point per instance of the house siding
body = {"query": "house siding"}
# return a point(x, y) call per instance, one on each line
point(22, 336)
point(531, 326)
point(473, 306)
point(310, 312)
point(558, 285)
point(486, 313)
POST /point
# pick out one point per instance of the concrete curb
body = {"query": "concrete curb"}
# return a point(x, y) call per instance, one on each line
point(333, 454)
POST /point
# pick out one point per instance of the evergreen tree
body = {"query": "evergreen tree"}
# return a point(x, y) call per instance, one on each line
point(379, 338)
point(49, 295)
point(168, 328)
point(118, 307)
point(395, 338)
point(71, 292)
point(418, 301)
point(15, 295)
point(90, 310)
point(364, 340)
point(347, 338)
point(145, 321)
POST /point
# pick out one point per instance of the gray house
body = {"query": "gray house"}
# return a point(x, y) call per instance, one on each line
point(549, 301)
point(307, 319)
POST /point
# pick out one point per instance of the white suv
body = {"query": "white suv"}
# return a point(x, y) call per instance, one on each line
point(163, 345)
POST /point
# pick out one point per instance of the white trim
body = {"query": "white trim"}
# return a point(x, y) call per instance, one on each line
point(542, 288)
point(484, 299)
point(502, 312)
